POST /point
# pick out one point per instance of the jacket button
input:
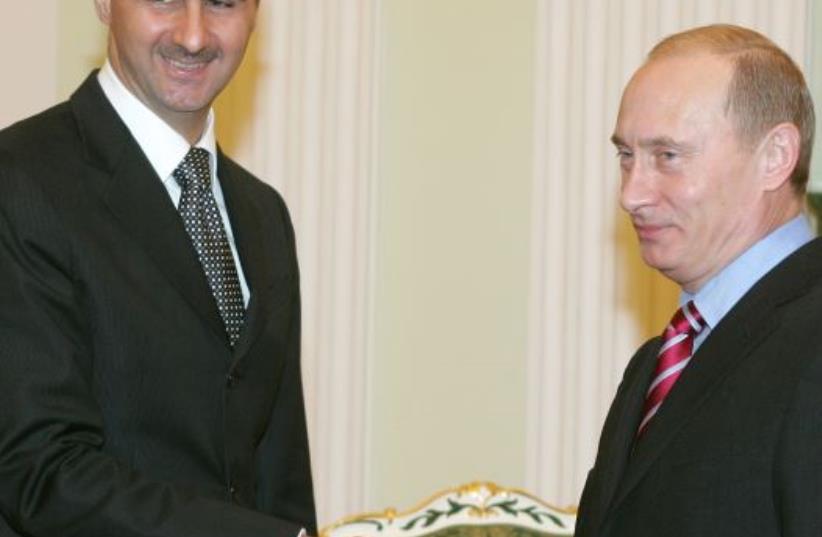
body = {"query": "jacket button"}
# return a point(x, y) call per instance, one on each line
point(231, 380)
point(232, 492)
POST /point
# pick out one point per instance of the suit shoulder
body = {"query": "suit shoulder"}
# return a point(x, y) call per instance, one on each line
point(37, 136)
point(788, 301)
point(793, 288)
point(37, 153)
point(259, 188)
point(40, 158)
point(649, 348)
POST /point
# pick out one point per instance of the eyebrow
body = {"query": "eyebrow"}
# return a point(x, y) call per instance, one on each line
point(657, 141)
point(616, 140)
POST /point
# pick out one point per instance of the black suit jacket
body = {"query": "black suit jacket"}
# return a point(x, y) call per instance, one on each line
point(123, 411)
point(736, 448)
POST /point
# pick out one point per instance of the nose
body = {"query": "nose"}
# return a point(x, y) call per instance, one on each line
point(637, 190)
point(191, 31)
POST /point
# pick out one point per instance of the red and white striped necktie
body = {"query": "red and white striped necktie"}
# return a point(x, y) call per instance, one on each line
point(677, 349)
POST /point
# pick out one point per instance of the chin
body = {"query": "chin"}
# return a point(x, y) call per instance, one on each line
point(657, 262)
point(187, 105)
point(188, 99)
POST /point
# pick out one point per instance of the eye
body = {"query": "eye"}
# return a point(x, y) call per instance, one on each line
point(222, 3)
point(623, 153)
point(625, 156)
point(667, 157)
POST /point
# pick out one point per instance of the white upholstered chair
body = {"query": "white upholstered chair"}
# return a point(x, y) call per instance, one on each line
point(480, 509)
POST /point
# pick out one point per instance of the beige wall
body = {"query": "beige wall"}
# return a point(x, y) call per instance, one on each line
point(58, 42)
point(814, 74)
point(29, 44)
point(81, 42)
point(452, 249)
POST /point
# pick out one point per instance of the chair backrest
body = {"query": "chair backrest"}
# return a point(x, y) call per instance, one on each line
point(481, 509)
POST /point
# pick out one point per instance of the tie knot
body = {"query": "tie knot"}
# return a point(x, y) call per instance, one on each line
point(194, 170)
point(686, 320)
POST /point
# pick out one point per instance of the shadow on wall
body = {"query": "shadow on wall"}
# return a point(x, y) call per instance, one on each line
point(235, 106)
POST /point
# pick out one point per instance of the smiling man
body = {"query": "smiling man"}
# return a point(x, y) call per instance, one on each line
point(716, 428)
point(149, 302)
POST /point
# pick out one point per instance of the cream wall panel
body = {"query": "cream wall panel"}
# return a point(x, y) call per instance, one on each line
point(81, 44)
point(28, 39)
point(592, 301)
point(814, 73)
point(452, 247)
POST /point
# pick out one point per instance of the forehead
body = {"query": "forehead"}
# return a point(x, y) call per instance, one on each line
point(128, 7)
point(685, 91)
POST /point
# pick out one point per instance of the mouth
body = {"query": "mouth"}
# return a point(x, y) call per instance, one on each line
point(186, 66)
point(648, 232)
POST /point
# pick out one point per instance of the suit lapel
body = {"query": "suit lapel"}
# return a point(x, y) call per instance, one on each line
point(247, 222)
point(737, 335)
point(621, 426)
point(714, 360)
point(138, 200)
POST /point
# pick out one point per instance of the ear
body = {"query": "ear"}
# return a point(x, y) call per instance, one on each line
point(779, 153)
point(103, 8)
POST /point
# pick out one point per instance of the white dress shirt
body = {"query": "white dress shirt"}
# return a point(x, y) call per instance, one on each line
point(165, 149)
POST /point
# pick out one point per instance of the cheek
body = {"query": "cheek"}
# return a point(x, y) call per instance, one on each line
point(700, 194)
point(236, 38)
point(136, 45)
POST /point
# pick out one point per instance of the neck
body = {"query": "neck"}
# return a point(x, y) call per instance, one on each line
point(775, 216)
point(190, 126)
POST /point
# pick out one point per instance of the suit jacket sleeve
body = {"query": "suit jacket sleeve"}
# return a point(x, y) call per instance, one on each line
point(284, 473)
point(55, 480)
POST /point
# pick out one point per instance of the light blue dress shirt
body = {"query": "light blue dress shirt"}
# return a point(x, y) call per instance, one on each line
point(716, 298)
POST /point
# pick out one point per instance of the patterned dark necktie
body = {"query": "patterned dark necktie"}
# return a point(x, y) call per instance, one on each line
point(205, 227)
point(674, 355)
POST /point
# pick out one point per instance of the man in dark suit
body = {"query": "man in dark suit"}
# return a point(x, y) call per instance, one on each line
point(149, 303)
point(716, 429)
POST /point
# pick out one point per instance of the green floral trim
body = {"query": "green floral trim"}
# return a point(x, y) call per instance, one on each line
point(510, 507)
point(431, 515)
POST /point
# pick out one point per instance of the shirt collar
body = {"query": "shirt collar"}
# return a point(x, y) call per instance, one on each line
point(716, 298)
point(164, 147)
